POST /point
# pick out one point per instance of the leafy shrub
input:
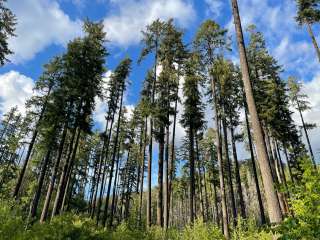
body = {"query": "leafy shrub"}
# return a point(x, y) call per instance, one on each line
point(305, 203)
point(201, 231)
point(11, 222)
point(248, 230)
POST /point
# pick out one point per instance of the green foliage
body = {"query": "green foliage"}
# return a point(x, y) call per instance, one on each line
point(248, 230)
point(305, 203)
point(69, 226)
point(11, 222)
point(201, 231)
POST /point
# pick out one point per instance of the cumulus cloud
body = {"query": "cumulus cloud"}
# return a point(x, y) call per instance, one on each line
point(40, 24)
point(14, 91)
point(215, 6)
point(124, 27)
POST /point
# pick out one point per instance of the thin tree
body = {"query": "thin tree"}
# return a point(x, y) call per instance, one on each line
point(270, 192)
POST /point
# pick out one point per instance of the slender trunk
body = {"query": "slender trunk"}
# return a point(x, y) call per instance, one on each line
point(30, 148)
point(54, 175)
point(93, 183)
point(160, 178)
point(237, 171)
point(105, 155)
point(307, 136)
point(191, 169)
point(112, 162)
point(314, 41)
point(221, 165)
point(36, 198)
point(166, 180)
point(172, 155)
point(142, 166)
point(229, 167)
point(63, 177)
point(114, 187)
point(53, 178)
point(288, 163)
point(205, 193)
point(149, 203)
point(270, 192)
point(254, 170)
point(199, 178)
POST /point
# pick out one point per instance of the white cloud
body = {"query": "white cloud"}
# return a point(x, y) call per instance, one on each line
point(286, 41)
point(14, 91)
point(215, 6)
point(124, 27)
point(40, 24)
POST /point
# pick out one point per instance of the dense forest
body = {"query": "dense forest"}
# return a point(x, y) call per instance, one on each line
point(61, 178)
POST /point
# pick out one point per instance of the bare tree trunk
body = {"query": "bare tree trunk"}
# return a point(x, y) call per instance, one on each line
point(254, 170)
point(36, 198)
point(166, 180)
point(307, 137)
point(237, 171)
point(142, 166)
point(270, 192)
point(104, 219)
point(221, 166)
point(149, 203)
point(104, 156)
point(229, 167)
point(53, 177)
point(160, 178)
point(63, 177)
point(114, 187)
point(314, 41)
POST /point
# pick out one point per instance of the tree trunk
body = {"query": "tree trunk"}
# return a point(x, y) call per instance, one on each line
point(288, 163)
point(237, 171)
point(63, 177)
point(36, 198)
point(149, 203)
point(221, 166)
point(314, 41)
point(112, 162)
point(191, 169)
point(229, 167)
point(254, 170)
point(166, 180)
point(54, 174)
point(270, 192)
point(114, 187)
point(30, 148)
point(142, 168)
point(307, 136)
point(160, 177)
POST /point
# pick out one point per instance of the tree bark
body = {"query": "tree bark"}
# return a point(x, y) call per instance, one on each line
point(142, 168)
point(221, 166)
point(307, 136)
point(36, 198)
point(314, 41)
point(54, 175)
point(254, 170)
point(160, 178)
point(237, 171)
point(270, 192)
point(112, 162)
point(114, 187)
point(229, 167)
point(166, 181)
point(63, 177)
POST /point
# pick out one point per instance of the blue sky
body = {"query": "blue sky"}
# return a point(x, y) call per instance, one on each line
point(45, 27)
